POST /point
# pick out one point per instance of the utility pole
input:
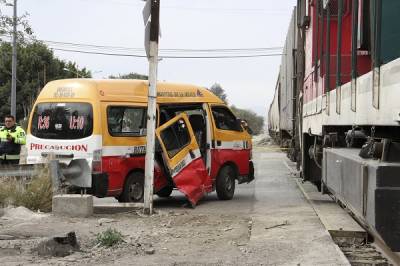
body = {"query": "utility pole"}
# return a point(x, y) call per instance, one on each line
point(44, 75)
point(151, 11)
point(14, 64)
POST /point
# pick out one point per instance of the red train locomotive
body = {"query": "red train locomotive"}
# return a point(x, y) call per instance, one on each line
point(337, 105)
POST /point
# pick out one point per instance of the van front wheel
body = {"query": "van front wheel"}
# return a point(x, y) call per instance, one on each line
point(165, 192)
point(225, 183)
point(133, 190)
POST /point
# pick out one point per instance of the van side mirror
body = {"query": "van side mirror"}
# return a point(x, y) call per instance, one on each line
point(239, 124)
point(245, 125)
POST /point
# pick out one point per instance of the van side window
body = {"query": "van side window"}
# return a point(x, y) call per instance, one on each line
point(175, 137)
point(224, 119)
point(126, 121)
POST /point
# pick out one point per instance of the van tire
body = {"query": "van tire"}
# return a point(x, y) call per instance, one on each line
point(225, 183)
point(165, 192)
point(133, 190)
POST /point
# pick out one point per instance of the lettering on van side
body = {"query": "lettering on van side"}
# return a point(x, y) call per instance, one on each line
point(179, 167)
point(198, 93)
point(55, 147)
point(64, 92)
point(139, 150)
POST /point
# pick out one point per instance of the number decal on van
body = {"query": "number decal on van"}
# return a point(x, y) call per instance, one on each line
point(43, 122)
point(76, 122)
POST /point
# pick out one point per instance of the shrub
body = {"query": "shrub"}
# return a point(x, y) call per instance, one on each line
point(35, 194)
point(109, 238)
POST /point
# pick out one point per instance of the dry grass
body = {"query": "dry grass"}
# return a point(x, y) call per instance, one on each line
point(34, 194)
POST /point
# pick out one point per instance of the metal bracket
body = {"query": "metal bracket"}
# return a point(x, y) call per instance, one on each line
point(338, 99)
point(376, 80)
point(353, 95)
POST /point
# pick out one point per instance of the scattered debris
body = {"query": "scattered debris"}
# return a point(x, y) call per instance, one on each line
point(150, 251)
point(7, 237)
point(58, 246)
point(249, 228)
point(277, 225)
point(102, 221)
point(9, 252)
point(264, 141)
point(21, 213)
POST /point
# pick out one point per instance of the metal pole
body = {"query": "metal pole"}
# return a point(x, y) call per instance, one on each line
point(339, 46)
point(315, 40)
point(328, 49)
point(151, 109)
point(354, 40)
point(14, 64)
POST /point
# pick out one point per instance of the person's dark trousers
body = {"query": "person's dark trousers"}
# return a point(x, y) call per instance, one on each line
point(5, 162)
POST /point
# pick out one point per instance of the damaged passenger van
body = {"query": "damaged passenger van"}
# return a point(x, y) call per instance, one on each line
point(201, 145)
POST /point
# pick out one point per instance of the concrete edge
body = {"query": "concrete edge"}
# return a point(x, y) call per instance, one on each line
point(341, 254)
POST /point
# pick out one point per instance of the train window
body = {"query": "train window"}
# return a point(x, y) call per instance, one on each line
point(224, 119)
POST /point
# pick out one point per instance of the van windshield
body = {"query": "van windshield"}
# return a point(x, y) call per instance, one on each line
point(62, 120)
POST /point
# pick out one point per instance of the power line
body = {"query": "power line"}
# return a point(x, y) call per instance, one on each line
point(168, 56)
point(165, 53)
point(169, 50)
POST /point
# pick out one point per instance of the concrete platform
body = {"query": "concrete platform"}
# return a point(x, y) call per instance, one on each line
point(72, 205)
point(102, 207)
point(284, 224)
point(339, 223)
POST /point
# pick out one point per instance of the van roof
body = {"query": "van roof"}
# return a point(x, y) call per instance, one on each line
point(128, 90)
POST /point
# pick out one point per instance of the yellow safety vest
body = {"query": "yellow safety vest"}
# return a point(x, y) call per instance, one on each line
point(11, 148)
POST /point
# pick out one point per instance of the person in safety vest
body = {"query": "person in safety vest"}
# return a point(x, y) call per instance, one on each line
point(11, 139)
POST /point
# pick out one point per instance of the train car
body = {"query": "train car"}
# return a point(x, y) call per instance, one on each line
point(284, 109)
point(349, 112)
point(273, 116)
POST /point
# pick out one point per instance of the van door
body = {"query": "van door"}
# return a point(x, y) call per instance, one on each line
point(181, 155)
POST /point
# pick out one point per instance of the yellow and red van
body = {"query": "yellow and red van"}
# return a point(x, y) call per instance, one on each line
point(201, 145)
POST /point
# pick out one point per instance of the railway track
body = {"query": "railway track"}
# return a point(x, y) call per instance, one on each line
point(361, 249)
point(364, 255)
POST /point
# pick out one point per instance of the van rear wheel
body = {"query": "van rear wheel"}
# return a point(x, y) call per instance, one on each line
point(133, 190)
point(225, 183)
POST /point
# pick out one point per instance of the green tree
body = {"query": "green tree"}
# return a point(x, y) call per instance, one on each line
point(130, 76)
point(255, 122)
point(37, 65)
point(219, 92)
point(6, 23)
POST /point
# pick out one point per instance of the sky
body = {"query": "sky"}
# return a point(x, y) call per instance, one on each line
point(185, 24)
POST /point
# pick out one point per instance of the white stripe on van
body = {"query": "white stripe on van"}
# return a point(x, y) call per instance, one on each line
point(185, 162)
point(231, 145)
point(124, 150)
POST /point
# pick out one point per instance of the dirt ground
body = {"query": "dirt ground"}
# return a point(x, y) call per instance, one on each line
point(166, 238)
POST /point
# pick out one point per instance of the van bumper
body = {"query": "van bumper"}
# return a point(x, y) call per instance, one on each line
point(99, 185)
point(249, 177)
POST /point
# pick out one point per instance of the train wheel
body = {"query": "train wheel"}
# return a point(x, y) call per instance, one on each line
point(225, 184)
point(133, 189)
